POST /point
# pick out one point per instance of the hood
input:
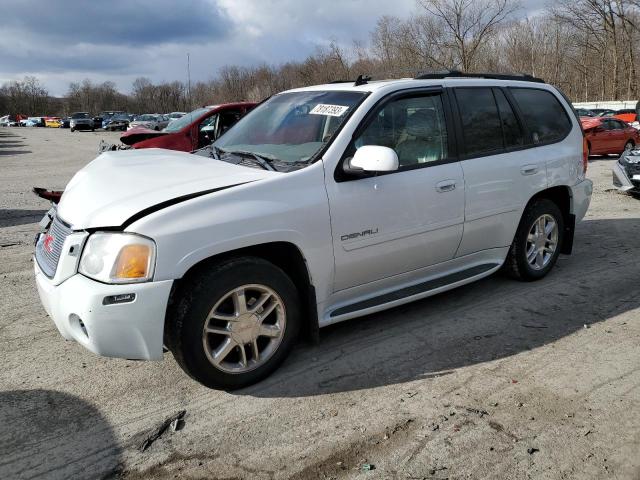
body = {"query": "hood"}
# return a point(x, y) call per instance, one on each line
point(118, 185)
point(138, 134)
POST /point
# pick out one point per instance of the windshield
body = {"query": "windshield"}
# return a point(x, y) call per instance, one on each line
point(291, 127)
point(146, 118)
point(80, 115)
point(180, 123)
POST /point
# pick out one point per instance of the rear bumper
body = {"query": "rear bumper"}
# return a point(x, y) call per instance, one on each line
point(581, 198)
point(131, 330)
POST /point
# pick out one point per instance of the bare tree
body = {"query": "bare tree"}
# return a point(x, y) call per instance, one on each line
point(468, 24)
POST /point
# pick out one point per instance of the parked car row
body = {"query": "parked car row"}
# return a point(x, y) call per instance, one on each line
point(108, 120)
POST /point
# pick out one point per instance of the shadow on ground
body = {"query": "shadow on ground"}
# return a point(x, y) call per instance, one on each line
point(9, 143)
point(49, 434)
point(12, 217)
point(491, 319)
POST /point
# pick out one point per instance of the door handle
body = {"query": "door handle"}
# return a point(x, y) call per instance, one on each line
point(529, 169)
point(446, 186)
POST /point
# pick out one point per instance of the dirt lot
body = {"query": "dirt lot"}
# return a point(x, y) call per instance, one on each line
point(498, 379)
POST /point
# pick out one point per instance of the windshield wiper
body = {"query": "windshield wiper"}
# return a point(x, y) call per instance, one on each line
point(263, 161)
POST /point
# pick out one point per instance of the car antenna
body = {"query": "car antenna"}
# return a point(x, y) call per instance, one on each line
point(361, 80)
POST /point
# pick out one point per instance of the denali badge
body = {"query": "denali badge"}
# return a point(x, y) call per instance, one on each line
point(364, 233)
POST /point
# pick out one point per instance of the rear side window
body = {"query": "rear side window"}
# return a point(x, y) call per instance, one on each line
point(511, 129)
point(480, 120)
point(543, 114)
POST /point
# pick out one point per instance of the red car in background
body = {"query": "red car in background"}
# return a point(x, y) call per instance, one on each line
point(191, 131)
point(608, 135)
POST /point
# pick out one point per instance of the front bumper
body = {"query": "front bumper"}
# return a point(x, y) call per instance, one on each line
point(581, 198)
point(127, 330)
point(622, 181)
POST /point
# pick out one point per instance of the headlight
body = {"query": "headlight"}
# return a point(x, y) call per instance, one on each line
point(118, 258)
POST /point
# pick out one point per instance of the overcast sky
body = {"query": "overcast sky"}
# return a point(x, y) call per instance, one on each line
point(121, 40)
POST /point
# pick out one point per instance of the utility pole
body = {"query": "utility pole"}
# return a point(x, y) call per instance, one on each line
point(189, 82)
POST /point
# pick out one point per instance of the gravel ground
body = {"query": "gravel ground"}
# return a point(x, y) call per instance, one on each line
point(498, 379)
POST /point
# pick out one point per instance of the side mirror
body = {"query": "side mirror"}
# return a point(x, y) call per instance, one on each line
point(374, 158)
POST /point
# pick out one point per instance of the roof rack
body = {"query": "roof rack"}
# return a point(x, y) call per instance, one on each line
point(493, 76)
point(361, 80)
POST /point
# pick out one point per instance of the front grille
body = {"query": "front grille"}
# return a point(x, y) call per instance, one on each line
point(49, 246)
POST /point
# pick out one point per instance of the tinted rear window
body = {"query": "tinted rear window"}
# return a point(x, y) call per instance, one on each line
point(480, 120)
point(543, 114)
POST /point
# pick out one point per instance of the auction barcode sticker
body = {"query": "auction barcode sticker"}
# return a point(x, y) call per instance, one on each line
point(331, 110)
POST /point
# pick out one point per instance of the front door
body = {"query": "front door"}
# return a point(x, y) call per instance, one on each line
point(399, 222)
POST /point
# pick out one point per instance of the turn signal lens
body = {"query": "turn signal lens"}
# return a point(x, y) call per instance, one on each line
point(132, 262)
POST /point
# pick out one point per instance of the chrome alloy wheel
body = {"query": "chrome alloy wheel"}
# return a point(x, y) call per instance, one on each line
point(542, 242)
point(244, 328)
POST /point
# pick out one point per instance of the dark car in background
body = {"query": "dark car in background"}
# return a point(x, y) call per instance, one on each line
point(585, 112)
point(191, 131)
point(81, 121)
point(118, 122)
point(100, 119)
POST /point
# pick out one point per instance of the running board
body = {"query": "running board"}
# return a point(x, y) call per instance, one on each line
point(415, 290)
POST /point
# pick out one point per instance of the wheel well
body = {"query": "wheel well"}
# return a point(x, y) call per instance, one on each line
point(284, 255)
point(561, 196)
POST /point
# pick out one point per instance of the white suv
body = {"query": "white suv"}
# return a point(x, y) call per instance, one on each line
point(323, 204)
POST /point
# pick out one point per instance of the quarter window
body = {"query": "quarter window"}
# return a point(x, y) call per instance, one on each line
point(481, 129)
point(543, 114)
point(414, 127)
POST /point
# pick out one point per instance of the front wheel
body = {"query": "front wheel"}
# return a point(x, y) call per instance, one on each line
point(234, 324)
point(537, 242)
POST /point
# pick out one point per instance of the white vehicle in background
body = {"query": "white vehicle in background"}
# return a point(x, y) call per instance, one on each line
point(322, 204)
point(150, 121)
point(175, 115)
point(6, 121)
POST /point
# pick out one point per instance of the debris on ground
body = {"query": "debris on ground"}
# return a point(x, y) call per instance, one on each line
point(157, 432)
point(367, 467)
point(532, 450)
point(477, 411)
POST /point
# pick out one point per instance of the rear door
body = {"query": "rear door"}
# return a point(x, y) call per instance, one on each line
point(500, 174)
point(403, 221)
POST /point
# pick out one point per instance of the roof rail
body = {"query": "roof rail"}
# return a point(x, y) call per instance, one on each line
point(361, 80)
point(493, 76)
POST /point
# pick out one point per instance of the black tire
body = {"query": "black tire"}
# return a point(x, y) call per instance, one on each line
point(516, 264)
point(73, 130)
point(198, 295)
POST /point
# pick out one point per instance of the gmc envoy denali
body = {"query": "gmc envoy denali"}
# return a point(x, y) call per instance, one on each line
point(322, 204)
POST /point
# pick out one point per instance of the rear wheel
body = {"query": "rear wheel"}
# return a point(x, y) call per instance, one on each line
point(235, 324)
point(537, 242)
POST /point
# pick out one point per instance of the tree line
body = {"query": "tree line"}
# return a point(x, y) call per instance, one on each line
point(588, 48)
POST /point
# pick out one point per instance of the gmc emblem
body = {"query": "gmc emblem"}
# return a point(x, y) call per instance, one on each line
point(48, 240)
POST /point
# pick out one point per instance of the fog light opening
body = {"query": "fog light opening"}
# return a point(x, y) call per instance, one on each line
point(78, 325)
